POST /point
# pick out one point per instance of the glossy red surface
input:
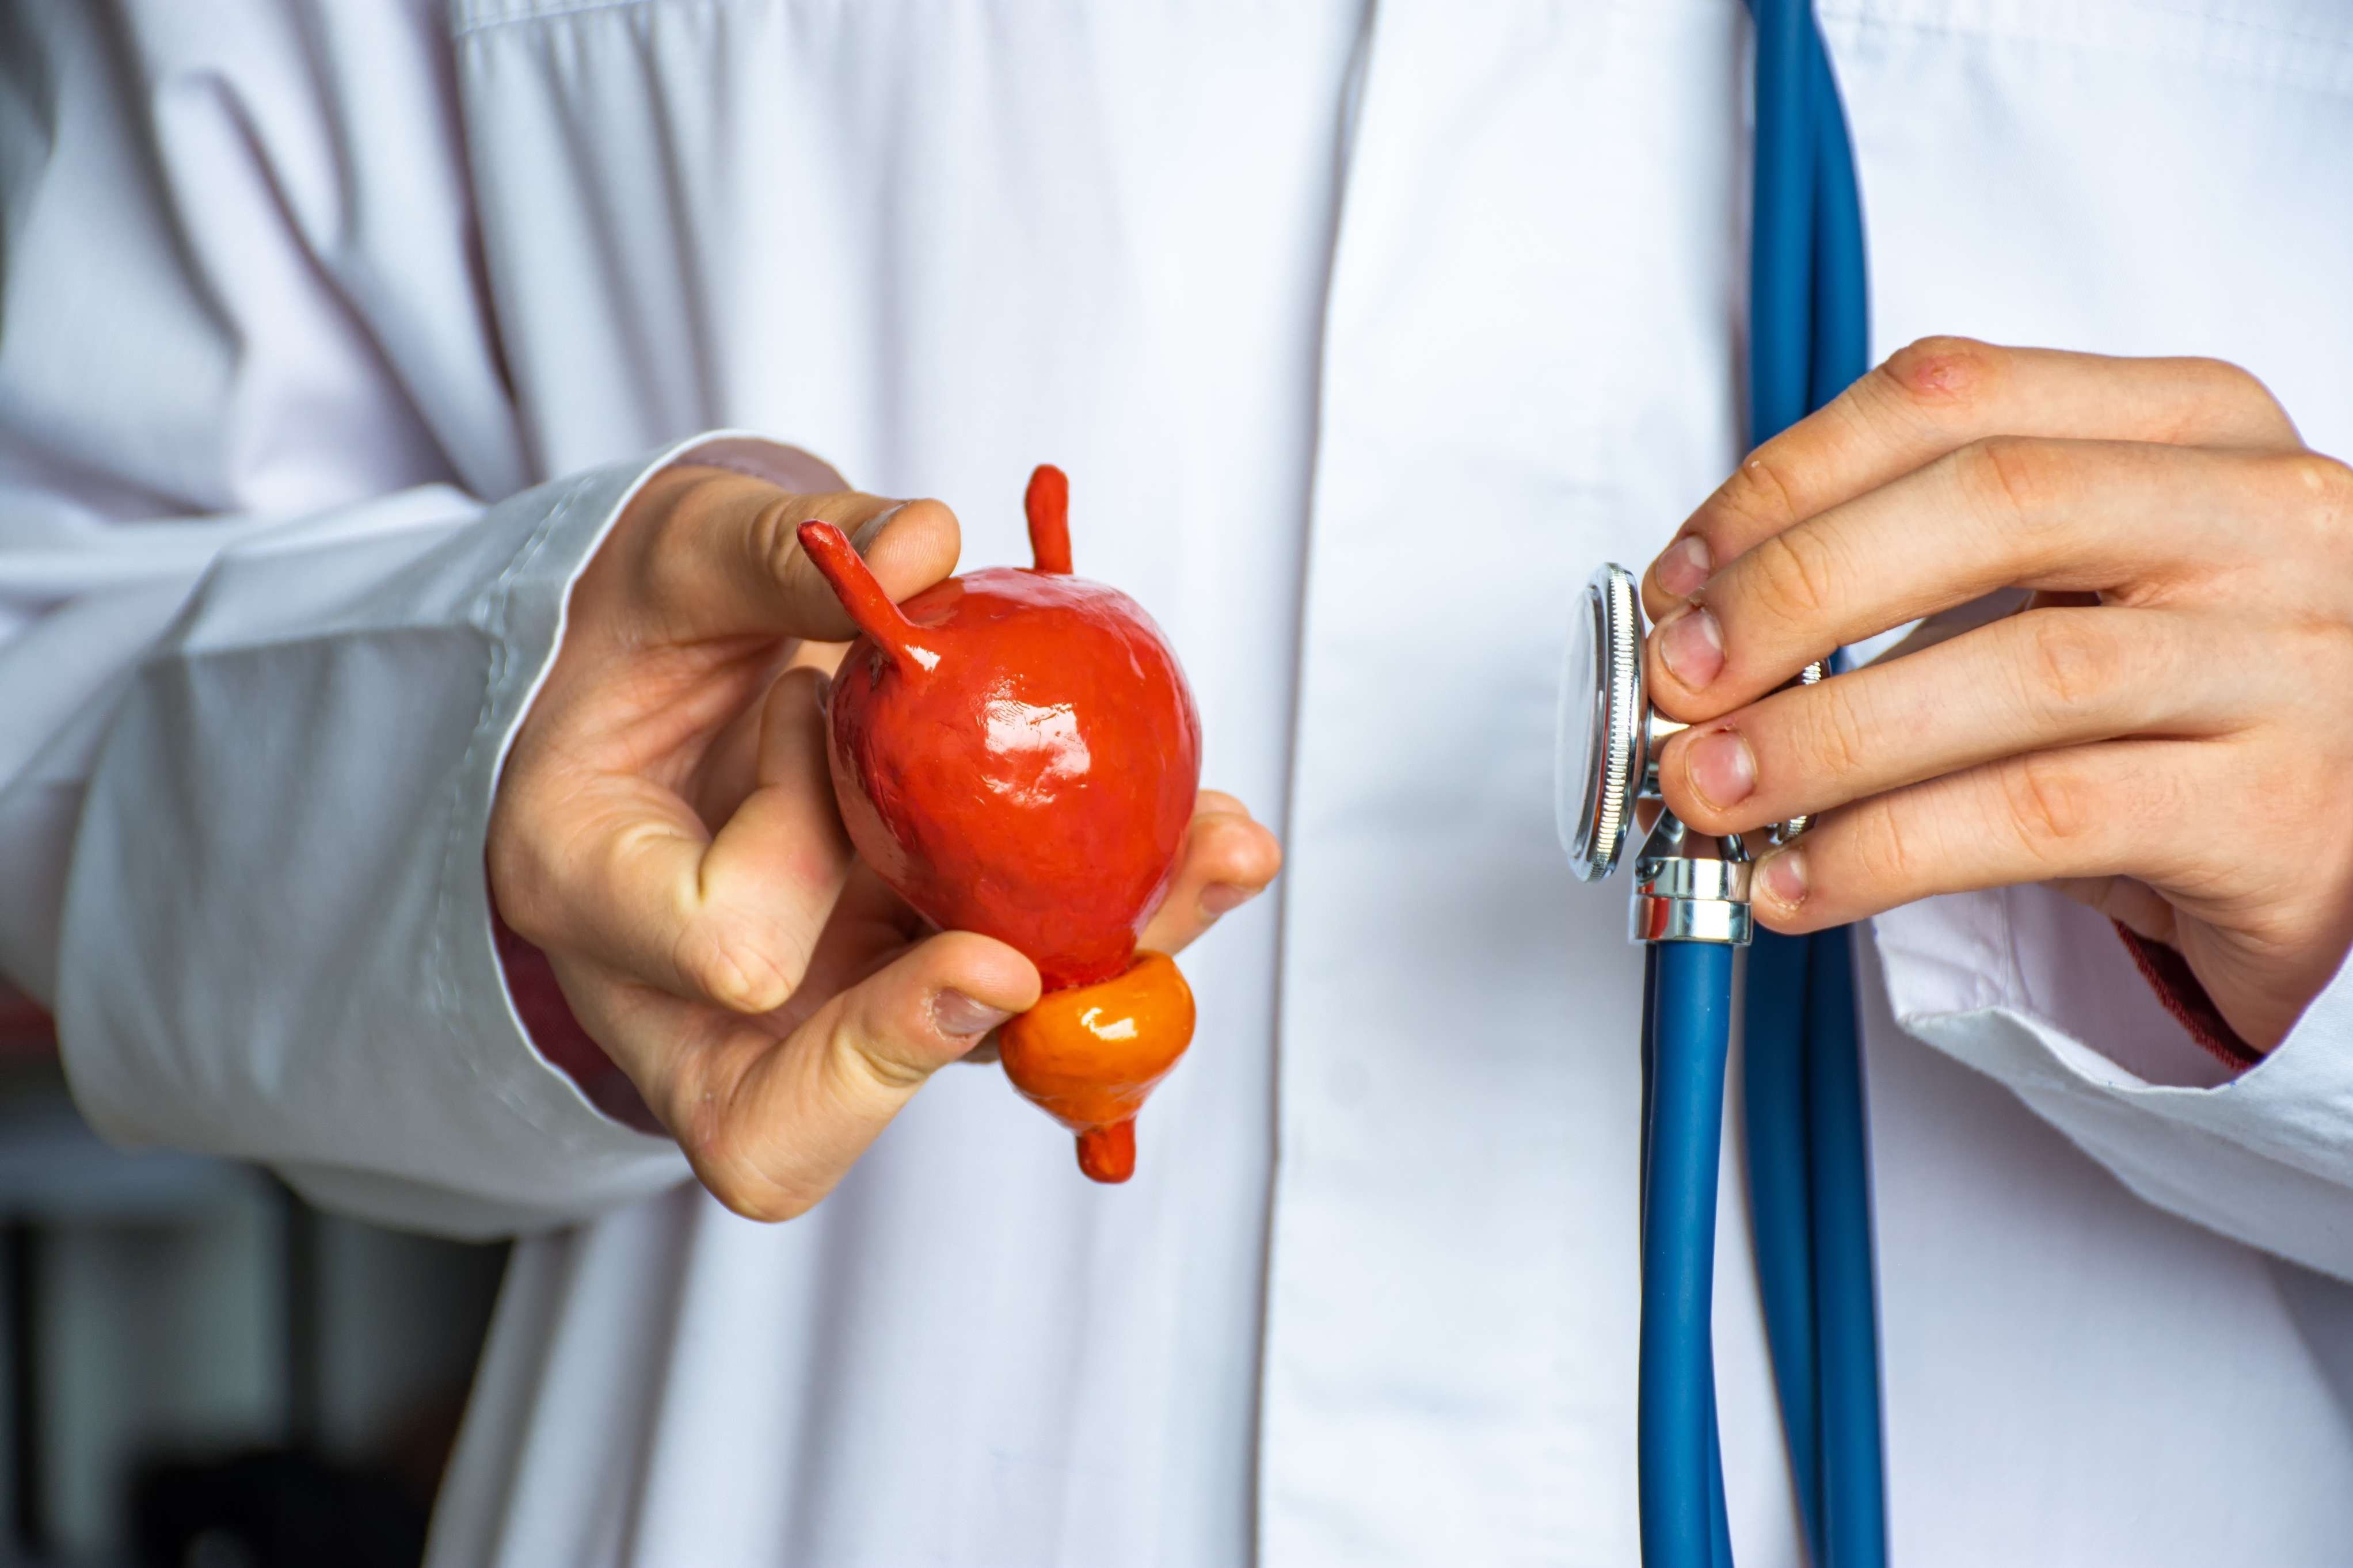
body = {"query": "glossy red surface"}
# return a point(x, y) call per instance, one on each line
point(1016, 752)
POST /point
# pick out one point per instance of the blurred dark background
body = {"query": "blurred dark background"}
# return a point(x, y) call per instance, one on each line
point(200, 1370)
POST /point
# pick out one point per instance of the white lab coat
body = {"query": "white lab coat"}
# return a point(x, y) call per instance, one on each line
point(334, 336)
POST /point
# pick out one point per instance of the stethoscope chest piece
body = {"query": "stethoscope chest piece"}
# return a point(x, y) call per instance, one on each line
point(1688, 886)
point(1603, 753)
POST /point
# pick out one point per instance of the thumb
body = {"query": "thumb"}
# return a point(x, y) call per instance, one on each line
point(722, 557)
point(799, 1115)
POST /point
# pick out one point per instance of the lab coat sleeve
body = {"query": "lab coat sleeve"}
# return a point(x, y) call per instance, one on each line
point(275, 590)
point(2038, 992)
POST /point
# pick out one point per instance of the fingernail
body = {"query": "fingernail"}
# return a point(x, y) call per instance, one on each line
point(871, 529)
point(1683, 566)
point(1784, 876)
point(1691, 644)
point(1722, 768)
point(957, 1013)
point(1224, 898)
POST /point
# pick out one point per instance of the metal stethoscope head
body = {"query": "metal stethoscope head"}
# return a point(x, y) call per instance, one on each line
point(1688, 886)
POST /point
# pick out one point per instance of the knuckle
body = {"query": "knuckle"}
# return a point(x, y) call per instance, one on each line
point(1760, 492)
point(2219, 401)
point(766, 1204)
point(729, 1170)
point(724, 965)
point(886, 1070)
point(1885, 849)
point(773, 538)
point(2232, 384)
point(2069, 662)
point(2223, 375)
point(858, 1063)
point(758, 1200)
point(2049, 801)
point(1796, 577)
point(2012, 474)
point(519, 876)
point(2321, 487)
point(1942, 373)
point(1832, 734)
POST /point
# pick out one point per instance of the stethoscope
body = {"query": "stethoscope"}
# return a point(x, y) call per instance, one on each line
point(1807, 1155)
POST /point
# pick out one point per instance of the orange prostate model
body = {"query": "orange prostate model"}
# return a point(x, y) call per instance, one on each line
point(1016, 752)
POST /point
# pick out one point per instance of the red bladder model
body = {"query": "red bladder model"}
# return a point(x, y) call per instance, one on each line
point(1016, 752)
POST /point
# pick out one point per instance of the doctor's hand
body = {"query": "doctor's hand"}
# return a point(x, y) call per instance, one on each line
point(665, 832)
point(2164, 732)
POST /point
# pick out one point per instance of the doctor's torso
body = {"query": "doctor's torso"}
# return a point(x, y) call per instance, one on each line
point(1364, 332)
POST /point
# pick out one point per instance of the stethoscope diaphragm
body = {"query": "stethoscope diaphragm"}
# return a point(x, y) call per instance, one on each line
point(1603, 750)
point(1607, 751)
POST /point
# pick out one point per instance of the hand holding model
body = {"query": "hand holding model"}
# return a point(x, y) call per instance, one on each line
point(666, 832)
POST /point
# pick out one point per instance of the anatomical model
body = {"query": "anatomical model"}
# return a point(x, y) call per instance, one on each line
point(1016, 752)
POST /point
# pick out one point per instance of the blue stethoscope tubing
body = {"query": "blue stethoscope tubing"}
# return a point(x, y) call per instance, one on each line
point(1806, 1141)
point(1687, 1033)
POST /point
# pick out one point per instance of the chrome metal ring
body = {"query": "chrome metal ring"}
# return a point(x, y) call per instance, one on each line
point(1602, 748)
point(1680, 899)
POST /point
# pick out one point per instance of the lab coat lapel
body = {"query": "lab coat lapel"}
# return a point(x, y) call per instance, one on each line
point(1448, 1372)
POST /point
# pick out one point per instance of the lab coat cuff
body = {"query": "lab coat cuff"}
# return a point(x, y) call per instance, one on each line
point(2035, 991)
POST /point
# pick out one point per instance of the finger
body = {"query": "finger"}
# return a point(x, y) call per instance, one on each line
point(2134, 521)
point(771, 1127)
point(2035, 681)
point(770, 878)
point(1941, 395)
point(2118, 808)
point(621, 870)
point(1227, 860)
point(723, 561)
point(728, 767)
